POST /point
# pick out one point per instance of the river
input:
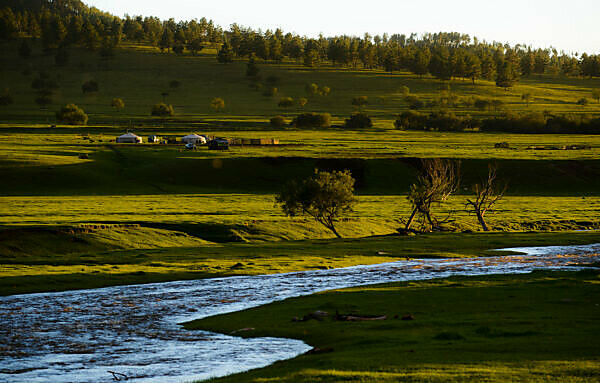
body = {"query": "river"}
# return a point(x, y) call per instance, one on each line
point(78, 336)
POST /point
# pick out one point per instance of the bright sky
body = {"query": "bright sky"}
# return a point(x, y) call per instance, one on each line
point(572, 26)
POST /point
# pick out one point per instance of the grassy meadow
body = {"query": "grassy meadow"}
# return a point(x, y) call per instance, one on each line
point(537, 327)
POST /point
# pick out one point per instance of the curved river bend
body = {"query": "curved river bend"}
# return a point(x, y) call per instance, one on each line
point(78, 336)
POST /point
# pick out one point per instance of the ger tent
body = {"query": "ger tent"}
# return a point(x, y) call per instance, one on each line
point(193, 139)
point(129, 138)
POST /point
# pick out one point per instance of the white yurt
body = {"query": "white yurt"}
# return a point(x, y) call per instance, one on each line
point(193, 139)
point(129, 138)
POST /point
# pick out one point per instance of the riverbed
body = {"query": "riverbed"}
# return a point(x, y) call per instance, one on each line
point(79, 336)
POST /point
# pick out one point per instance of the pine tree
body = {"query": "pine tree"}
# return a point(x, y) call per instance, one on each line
point(225, 54)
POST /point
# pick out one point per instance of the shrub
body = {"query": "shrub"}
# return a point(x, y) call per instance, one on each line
point(72, 114)
point(117, 103)
point(359, 121)
point(404, 90)
point(302, 102)
point(313, 120)
point(278, 121)
point(360, 101)
point(270, 92)
point(90, 87)
point(482, 104)
point(217, 103)
point(286, 102)
point(311, 89)
point(414, 102)
point(273, 80)
point(6, 98)
point(583, 101)
point(162, 110)
point(324, 91)
point(43, 81)
point(174, 84)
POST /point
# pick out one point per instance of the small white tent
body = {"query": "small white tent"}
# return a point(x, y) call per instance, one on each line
point(193, 139)
point(129, 138)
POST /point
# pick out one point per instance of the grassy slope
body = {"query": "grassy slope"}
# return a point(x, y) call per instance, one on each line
point(48, 272)
point(139, 77)
point(536, 327)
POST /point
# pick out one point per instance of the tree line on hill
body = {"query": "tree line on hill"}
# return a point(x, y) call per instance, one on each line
point(443, 55)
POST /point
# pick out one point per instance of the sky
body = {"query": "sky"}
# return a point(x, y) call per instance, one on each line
point(572, 26)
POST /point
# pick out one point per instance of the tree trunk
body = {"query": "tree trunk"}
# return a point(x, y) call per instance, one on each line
point(481, 220)
point(332, 228)
point(411, 219)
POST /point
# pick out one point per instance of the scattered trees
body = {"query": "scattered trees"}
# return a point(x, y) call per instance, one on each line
point(72, 114)
point(325, 197)
point(487, 193)
point(438, 180)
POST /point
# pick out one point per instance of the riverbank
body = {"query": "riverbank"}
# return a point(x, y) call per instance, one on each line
point(46, 272)
point(534, 327)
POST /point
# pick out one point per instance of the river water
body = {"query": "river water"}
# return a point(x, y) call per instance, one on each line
point(79, 336)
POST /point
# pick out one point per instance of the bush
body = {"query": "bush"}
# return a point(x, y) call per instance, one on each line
point(482, 104)
point(43, 81)
point(302, 102)
point(278, 121)
point(359, 121)
point(174, 84)
point(311, 89)
point(162, 110)
point(312, 120)
point(360, 101)
point(72, 114)
point(117, 103)
point(6, 98)
point(90, 87)
point(270, 92)
point(286, 102)
point(273, 80)
point(217, 103)
point(324, 91)
point(414, 102)
point(583, 101)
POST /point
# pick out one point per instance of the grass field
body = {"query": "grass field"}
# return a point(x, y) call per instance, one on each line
point(531, 328)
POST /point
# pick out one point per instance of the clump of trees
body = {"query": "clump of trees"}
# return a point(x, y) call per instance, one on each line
point(358, 121)
point(312, 120)
point(325, 197)
point(162, 110)
point(72, 114)
point(439, 121)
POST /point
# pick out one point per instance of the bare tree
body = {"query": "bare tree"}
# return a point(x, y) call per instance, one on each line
point(487, 194)
point(438, 180)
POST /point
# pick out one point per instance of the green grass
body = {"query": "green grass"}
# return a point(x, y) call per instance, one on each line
point(532, 328)
point(86, 266)
point(139, 76)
